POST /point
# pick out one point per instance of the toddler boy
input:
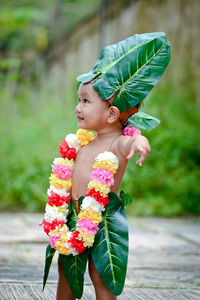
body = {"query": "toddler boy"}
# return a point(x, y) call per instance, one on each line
point(109, 97)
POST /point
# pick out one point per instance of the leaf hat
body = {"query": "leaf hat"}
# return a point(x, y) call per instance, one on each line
point(130, 69)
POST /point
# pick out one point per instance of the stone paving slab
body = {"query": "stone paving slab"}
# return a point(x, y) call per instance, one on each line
point(24, 229)
point(29, 291)
point(136, 276)
point(183, 228)
point(164, 260)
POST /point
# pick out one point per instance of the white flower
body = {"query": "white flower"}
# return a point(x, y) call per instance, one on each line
point(61, 192)
point(108, 156)
point(71, 250)
point(90, 202)
point(56, 212)
point(72, 141)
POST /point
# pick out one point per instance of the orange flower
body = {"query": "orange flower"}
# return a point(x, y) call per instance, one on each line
point(84, 136)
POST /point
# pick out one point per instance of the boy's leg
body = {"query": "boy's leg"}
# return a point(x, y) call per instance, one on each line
point(63, 289)
point(102, 292)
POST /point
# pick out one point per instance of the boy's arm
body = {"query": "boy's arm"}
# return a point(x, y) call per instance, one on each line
point(129, 146)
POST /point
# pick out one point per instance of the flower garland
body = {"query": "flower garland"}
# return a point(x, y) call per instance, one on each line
point(94, 203)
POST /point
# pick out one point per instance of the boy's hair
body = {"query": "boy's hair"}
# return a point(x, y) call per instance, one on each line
point(125, 115)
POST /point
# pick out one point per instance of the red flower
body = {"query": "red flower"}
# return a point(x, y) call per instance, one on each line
point(67, 152)
point(51, 226)
point(63, 148)
point(75, 243)
point(57, 200)
point(97, 196)
point(71, 153)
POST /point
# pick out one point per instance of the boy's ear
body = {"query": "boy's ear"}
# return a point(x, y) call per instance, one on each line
point(114, 114)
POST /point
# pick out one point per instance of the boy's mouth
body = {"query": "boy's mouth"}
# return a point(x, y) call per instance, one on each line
point(79, 118)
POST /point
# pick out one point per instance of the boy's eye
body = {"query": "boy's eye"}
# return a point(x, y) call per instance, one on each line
point(83, 101)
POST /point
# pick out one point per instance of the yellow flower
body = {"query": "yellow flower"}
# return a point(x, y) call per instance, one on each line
point(59, 230)
point(64, 162)
point(105, 165)
point(88, 239)
point(103, 189)
point(60, 183)
point(91, 215)
point(61, 248)
point(84, 136)
point(60, 244)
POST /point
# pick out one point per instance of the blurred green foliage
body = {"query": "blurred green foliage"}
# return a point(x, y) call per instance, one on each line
point(35, 24)
point(32, 123)
point(30, 29)
point(168, 182)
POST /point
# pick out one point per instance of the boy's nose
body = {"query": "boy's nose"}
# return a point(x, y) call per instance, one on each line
point(78, 108)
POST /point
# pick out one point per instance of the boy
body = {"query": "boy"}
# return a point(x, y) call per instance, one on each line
point(105, 105)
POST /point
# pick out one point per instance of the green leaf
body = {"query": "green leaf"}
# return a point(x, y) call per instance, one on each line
point(72, 218)
point(126, 199)
point(142, 120)
point(74, 270)
point(80, 200)
point(74, 266)
point(130, 68)
point(110, 249)
point(48, 260)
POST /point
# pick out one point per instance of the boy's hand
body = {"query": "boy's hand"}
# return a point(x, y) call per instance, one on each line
point(140, 145)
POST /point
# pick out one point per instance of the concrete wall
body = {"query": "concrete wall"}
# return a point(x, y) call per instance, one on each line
point(179, 19)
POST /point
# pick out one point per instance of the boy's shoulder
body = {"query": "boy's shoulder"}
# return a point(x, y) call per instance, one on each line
point(122, 145)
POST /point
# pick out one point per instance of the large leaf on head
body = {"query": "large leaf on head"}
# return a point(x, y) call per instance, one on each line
point(130, 68)
point(48, 260)
point(74, 266)
point(143, 121)
point(110, 249)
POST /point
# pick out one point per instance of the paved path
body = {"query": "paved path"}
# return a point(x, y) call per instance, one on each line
point(164, 260)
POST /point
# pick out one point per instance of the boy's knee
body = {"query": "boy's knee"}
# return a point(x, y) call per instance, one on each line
point(94, 275)
point(96, 279)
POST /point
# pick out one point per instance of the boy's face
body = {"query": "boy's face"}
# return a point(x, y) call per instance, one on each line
point(91, 111)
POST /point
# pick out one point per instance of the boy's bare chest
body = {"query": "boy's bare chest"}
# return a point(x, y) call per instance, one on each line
point(84, 162)
point(83, 168)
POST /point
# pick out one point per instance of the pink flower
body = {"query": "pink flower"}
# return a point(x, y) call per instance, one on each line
point(88, 225)
point(53, 240)
point(102, 176)
point(130, 131)
point(62, 172)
